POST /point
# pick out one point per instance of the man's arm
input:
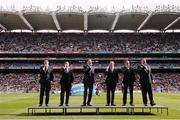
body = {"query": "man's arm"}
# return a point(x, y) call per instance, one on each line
point(72, 77)
point(106, 72)
point(52, 75)
point(86, 68)
point(40, 72)
point(117, 76)
point(123, 69)
point(152, 79)
point(134, 75)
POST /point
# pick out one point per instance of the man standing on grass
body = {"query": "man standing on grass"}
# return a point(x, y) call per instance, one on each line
point(46, 77)
point(128, 81)
point(88, 82)
point(66, 83)
point(146, 80)
point(111, 81)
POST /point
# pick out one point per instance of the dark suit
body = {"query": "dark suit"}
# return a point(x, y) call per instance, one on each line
point(88, 82)
point(128, 82)
point(146, 81)
point(111, 81)
point(65, 82)
point(46, 76)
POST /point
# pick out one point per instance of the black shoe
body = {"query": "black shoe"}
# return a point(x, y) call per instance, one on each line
point(123, 104)
point(83, 105)
point(153, 104)
point(67, 105)
point(46, 105)
point(107, 104)
point(113, 105)
point(40, 105)
point(61, 105)
point(145, 104)
point(89, 104)
point(131, 104)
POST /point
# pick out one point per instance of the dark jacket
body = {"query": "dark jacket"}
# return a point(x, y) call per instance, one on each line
point(129, 76)
point(145, 74)
point(46, 76)
point(112, 77)
point(88, 75)
point(67, 78)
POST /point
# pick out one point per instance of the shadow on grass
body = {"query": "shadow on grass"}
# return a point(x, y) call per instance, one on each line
point(85, 113)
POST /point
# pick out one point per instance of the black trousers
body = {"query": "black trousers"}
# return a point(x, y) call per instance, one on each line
point(65, 89)
point(147, 89)
point(44, 89)
point(86, 88)
point(110, 91)
point(126, 86)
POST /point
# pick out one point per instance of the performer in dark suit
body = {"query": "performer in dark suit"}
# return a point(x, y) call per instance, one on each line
point(66, 82)
point(111, 81)
point(146, 80)
point(88, 82)
point(46, 77)
point(128, 81)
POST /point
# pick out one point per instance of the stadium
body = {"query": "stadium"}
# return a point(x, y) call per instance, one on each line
point(31, 35)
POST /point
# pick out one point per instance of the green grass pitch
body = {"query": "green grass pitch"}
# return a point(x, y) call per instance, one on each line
point(14, 106)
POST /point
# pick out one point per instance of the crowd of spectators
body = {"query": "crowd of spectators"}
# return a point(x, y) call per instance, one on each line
point(167, 82)
point(91, 42)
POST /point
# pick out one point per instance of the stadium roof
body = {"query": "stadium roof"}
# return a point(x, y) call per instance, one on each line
point(86, 21)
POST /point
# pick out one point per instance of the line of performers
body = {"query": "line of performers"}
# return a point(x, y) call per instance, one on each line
point(112, 78)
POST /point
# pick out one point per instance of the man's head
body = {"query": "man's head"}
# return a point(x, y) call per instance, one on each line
point(143, 61)
point(89, 62)
point(46, 63)
point(111, 64)
point(66, 64)
point(127, 63)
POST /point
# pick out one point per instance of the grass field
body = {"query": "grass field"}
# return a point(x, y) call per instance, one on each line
point(14, 106)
